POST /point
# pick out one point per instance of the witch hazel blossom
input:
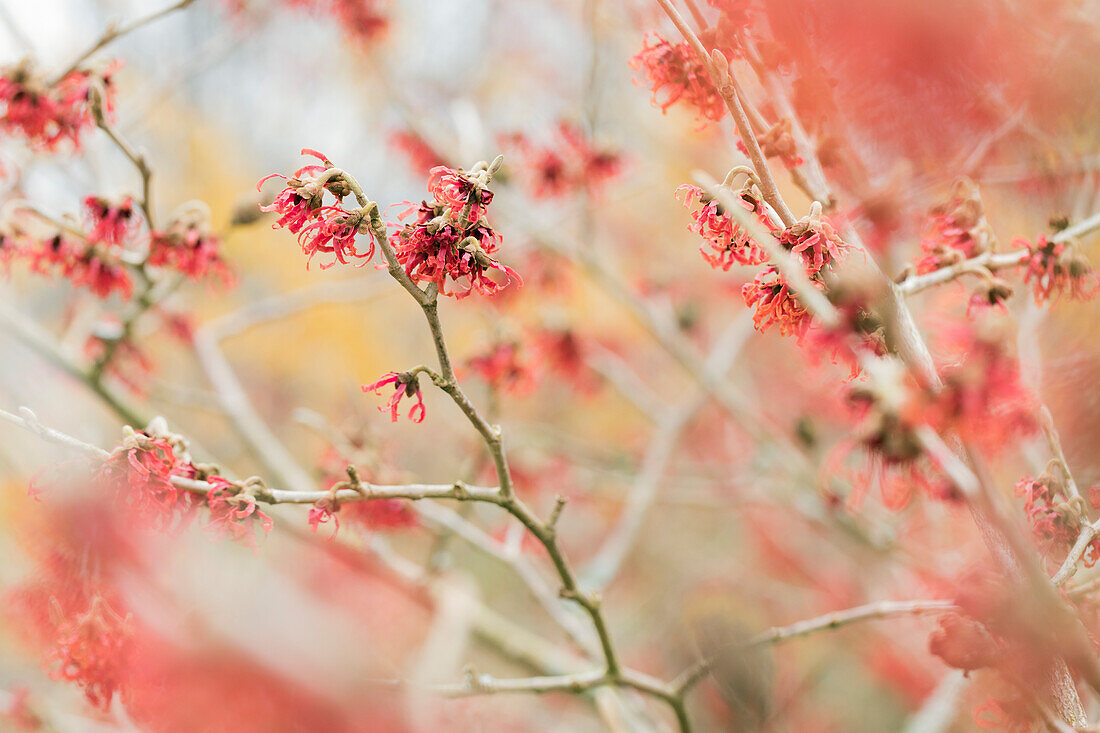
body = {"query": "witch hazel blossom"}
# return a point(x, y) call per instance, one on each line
point(321, 228)
point(84, 263)
point(234, 511)
point(188, 246)
point(450, 241)
point(1055, 269)
point(92, 650)
point(675, 74)
point(47, 114)
point(141, 471)
point(725, 243)
point(570, 164)
point(112, 222)
point(406, 384)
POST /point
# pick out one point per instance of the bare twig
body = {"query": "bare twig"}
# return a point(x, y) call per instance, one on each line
point(114, 32)
point(883, 609)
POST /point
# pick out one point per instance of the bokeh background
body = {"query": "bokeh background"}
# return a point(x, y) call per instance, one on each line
point(304, 634)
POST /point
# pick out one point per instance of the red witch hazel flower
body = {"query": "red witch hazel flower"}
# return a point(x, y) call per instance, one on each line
point(141, 471)
point(84, 263)
point(956, 230)
point(505, 367)
point(406, 385)
point(111, 222)
point(450, 240)
point(816, 242)
point(676, 74)
point(92, 651)
point(571, 164)
point(234, 511)
point(188, 246)
point(1055, 519)
point(321, 228)
point(47, 114)
point(1054, 269)
point(776, 304)
point(724, 242)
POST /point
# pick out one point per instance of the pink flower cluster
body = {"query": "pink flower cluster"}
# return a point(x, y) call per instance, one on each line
point(1055, 523)
point(321, 228)
point(93, 261)
point(141, 472)
point(676, 74)
point(1054, 269)
point(188, 246)
point(46, 114)
point(449, 240)
point(568, 165)
point(955, 231)
point(725, 243)
point(405, 385)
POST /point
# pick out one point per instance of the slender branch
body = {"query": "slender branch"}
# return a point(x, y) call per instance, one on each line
point(726, 83)
point(138, 160)
point(114, 32)
point(29, 421)
point(33, 336)
point(776, 635)
point(608, 559)
point(1080, 547)
point(978, 265)
point(1051, 433)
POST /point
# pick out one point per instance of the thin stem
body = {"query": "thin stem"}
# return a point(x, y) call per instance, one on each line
point(113, 33)
point(1080, 547)
point(726, 83)
point(776, 635)
point(138, 159)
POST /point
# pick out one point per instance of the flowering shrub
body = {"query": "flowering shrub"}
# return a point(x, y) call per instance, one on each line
point(865, 414)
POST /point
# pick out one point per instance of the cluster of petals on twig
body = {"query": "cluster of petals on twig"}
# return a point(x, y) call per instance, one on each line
point(813, 239)
point(449, 242)
point(958, 235)
point(1055, 269)
point(189, 246)
point(321, 228)
point(571, 164)
point(46, 113)
point(406, 384)
point(141, 471)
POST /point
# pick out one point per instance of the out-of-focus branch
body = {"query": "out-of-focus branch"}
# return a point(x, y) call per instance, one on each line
point(883, 609)
point(726, 84)
point(29, 421)
point(37, 339)
point(114, 32)
point(606, 562)
point(990, 261)
point(231, 393)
